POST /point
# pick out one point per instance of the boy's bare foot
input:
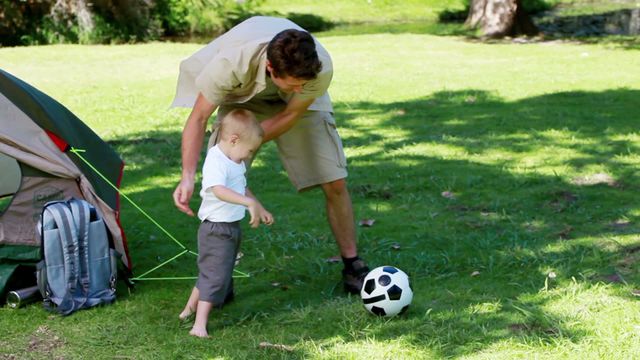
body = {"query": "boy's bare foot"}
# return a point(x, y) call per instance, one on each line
point(199, 332)
point(185, 314)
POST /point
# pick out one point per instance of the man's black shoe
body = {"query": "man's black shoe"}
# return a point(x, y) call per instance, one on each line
point(353, 279)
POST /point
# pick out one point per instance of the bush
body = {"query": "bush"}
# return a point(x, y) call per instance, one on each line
point(124, 21)
point(452, 16)
point(173, 16)
point(16, 19)
point(203, 17)
point(310, 22)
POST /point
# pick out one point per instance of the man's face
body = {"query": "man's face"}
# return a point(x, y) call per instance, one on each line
point(286, 84)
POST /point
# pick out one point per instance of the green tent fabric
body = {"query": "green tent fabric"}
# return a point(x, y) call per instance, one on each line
point(17, 267)
point(51, 116)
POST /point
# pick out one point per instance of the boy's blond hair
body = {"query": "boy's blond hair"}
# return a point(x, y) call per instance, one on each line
point(242, 123)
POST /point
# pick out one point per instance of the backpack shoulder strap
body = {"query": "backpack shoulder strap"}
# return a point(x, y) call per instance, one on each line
point(81, 216)
point(63, 218)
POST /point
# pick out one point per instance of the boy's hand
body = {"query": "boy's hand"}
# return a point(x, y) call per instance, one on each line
point(258, 214)
point(266, 217)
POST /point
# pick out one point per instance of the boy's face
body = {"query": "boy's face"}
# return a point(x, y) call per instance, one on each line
point(244, 149)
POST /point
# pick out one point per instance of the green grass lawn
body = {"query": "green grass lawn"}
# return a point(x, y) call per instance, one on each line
point(487, 167)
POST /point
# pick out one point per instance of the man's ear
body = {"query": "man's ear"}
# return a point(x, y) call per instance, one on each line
point(270, 68)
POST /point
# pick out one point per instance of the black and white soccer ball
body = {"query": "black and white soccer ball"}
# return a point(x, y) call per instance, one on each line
point(386, 291)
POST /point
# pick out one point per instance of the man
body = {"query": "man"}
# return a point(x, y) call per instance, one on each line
point(277, 70)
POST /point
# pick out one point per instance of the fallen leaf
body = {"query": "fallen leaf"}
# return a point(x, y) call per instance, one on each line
point(268, 345)
point(366, 222)
point(395, 246)
point(551, 275)
point(238, 257)
point(635, 292)
point(275, 284)
point(475, 273)
point(334, 259)
point(401, 112)
point(448, 195)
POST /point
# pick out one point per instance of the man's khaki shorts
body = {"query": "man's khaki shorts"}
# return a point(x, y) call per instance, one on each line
point(311, 152)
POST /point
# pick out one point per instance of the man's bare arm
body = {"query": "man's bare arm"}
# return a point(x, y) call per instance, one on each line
point(285, 120)
point(192, 138)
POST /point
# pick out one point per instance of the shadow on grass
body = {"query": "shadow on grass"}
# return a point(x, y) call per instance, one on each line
point(415, 27)
point(459, 183)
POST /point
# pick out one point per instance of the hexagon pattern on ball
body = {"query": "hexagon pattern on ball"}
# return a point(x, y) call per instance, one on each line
point(386, 291)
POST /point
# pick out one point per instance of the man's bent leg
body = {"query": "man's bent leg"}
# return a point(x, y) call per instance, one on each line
point(312, 154)
point(340, 216)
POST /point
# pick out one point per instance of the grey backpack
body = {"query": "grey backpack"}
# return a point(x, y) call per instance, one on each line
point(79, 267)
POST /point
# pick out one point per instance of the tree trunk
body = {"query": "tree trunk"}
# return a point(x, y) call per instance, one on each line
point(499, 18)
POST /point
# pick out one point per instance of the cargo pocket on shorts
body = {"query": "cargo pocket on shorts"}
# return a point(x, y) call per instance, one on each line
point(335, 137)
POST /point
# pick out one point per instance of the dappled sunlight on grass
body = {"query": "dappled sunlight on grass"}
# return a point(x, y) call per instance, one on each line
point(485, 307)
point(482, 178)
point(371, 348)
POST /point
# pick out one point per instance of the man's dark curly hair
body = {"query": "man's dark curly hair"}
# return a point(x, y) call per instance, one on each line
point(293, 53)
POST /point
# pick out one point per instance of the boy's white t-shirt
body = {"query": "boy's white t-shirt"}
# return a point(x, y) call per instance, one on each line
point(218, 169)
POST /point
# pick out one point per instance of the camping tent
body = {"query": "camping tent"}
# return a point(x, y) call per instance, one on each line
point(36, 136)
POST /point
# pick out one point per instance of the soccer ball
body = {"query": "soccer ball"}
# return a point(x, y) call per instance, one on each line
point(386, 291)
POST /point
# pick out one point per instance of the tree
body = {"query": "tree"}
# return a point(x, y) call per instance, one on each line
point(499, 18)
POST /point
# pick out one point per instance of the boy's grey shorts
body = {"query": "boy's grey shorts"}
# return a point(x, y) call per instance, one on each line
point(218, 244)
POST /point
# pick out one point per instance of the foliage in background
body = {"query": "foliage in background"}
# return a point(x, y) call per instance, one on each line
point(16, 19)
point(32, 22)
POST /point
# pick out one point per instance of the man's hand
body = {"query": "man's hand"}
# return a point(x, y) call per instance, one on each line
point(192, 137)
point(258, 214)
point(182, 195)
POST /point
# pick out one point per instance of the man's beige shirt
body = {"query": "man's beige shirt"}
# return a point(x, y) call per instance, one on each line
point(232, 68)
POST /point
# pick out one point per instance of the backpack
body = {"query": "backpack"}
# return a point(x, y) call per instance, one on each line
point(79, 268)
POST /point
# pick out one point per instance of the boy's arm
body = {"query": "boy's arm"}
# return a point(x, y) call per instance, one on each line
point(256, 211)
point(225, 194)
point(264, 215)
